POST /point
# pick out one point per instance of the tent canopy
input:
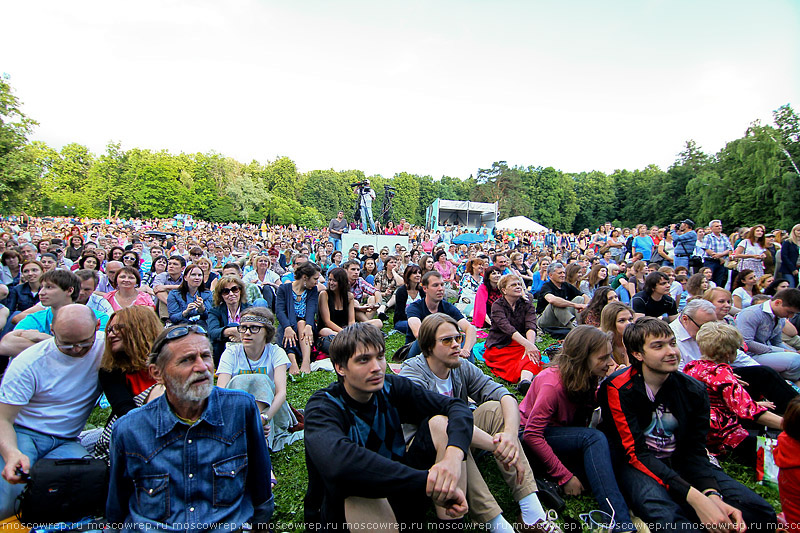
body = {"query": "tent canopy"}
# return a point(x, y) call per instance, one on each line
point(520, 223)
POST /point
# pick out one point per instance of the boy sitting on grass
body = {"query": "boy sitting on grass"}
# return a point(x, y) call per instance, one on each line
point(360, 470)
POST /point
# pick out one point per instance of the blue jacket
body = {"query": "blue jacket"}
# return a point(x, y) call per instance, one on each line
point(215, 472)
point(684, 244)
point(176, 304)
point(761, 332)
point(20, 298)
point(285, 307)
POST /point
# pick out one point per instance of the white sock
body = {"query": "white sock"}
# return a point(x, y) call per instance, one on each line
point(532, 510)
point(498, 523)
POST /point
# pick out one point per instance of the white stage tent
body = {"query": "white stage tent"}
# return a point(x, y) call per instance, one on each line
point(520, 223)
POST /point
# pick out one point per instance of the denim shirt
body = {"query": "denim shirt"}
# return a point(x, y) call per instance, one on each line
point(169, 476)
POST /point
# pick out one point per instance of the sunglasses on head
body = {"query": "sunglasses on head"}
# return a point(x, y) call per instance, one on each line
point(177, 333)
point(228, 290)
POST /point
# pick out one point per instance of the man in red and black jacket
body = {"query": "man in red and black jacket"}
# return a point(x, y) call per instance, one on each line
point(656, 420)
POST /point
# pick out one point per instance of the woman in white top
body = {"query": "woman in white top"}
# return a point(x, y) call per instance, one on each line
point(666, 250)
point(751, 251)
point(744, 288)
point(259, 367)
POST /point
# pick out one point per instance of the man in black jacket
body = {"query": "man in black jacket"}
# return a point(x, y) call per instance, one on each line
point(656, 420)
point(360, 469)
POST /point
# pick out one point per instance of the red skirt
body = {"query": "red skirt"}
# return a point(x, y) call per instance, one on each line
point(509, 362)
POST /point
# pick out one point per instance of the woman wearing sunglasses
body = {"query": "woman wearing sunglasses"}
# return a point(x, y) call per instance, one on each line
point(230, 301)
point(259, 367)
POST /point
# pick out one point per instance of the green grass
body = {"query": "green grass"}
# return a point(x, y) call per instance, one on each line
point(290, 467)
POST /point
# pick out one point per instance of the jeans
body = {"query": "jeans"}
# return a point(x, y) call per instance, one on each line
point(681, 260)
point(366, 217)
point(586, 449)
point(402, 326)
point(787, 364)
point(337, 243)
point(788, 277)
point(35, 446)
point(719, 273)
point(654, 504)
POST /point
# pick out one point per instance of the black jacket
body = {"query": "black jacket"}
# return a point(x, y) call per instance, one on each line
point(340, 466)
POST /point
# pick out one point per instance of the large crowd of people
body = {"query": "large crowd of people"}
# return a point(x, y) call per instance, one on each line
point(679, 345)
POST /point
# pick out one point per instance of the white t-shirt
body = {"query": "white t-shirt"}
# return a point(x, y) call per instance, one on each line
point(746, 298)
point(233, 361)
point(444, 386)
point(269, 277)
point(57, 392)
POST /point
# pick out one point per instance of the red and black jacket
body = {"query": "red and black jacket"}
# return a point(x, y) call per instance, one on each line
point(627, 412)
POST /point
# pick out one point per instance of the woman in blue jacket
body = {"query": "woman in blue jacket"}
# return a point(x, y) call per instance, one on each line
point(296, 309)
point(190, 303)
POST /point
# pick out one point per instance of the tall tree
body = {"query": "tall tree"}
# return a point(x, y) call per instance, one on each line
point(107, 184)
point(18, 170)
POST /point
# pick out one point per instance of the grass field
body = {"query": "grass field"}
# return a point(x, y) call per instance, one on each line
point(290, 468)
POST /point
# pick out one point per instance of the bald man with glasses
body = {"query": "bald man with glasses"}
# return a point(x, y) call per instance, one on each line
point(46, 396)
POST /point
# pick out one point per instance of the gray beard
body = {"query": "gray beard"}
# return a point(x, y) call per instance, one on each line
point(186, 392)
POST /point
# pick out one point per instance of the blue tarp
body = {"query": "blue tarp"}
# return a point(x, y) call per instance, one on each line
point(469, 238)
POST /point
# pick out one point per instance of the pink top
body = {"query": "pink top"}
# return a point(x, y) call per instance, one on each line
point(427, 246)
point(546, 404)
point(446, 271)
point(141, 299)
point(483, 304)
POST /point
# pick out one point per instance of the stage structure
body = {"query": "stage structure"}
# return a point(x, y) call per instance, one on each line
point(471, 215)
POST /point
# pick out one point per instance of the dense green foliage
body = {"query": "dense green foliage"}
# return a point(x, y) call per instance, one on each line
point(752, 179)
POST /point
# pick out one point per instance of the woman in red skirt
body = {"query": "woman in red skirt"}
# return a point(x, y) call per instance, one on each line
point(511, 352)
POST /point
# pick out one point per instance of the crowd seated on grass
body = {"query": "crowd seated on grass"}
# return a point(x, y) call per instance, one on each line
point(151, 319)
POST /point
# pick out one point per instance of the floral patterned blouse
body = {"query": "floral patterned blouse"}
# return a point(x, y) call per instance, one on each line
point(729, 403)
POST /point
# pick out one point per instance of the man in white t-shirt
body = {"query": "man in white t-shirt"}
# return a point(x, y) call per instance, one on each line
point(46, 396)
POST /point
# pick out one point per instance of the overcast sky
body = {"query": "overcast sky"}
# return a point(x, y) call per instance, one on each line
point(427, 87)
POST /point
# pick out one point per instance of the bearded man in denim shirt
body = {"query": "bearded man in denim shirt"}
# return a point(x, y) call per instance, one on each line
point(195, 458)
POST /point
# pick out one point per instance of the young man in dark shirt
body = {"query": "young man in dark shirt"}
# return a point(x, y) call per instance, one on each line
point(655, 300)
point(656, 419)
point(434, 302)
point(359, 467)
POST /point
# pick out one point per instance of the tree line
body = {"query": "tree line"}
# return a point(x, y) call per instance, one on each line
point(752, 179)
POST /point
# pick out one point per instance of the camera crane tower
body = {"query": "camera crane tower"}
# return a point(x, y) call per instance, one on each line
point(386, 209)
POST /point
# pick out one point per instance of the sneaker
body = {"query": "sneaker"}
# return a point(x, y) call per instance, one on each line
point(523, 386)
point(546, 525)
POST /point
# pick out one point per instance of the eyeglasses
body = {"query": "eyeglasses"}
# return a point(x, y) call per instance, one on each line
point(115, 329)
point(454, 339)
point(693, 321)
point(175, 334)
point(252, 329)
point(76, 346)
point(129, 258)
point(196, 255)
point(227, 290)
